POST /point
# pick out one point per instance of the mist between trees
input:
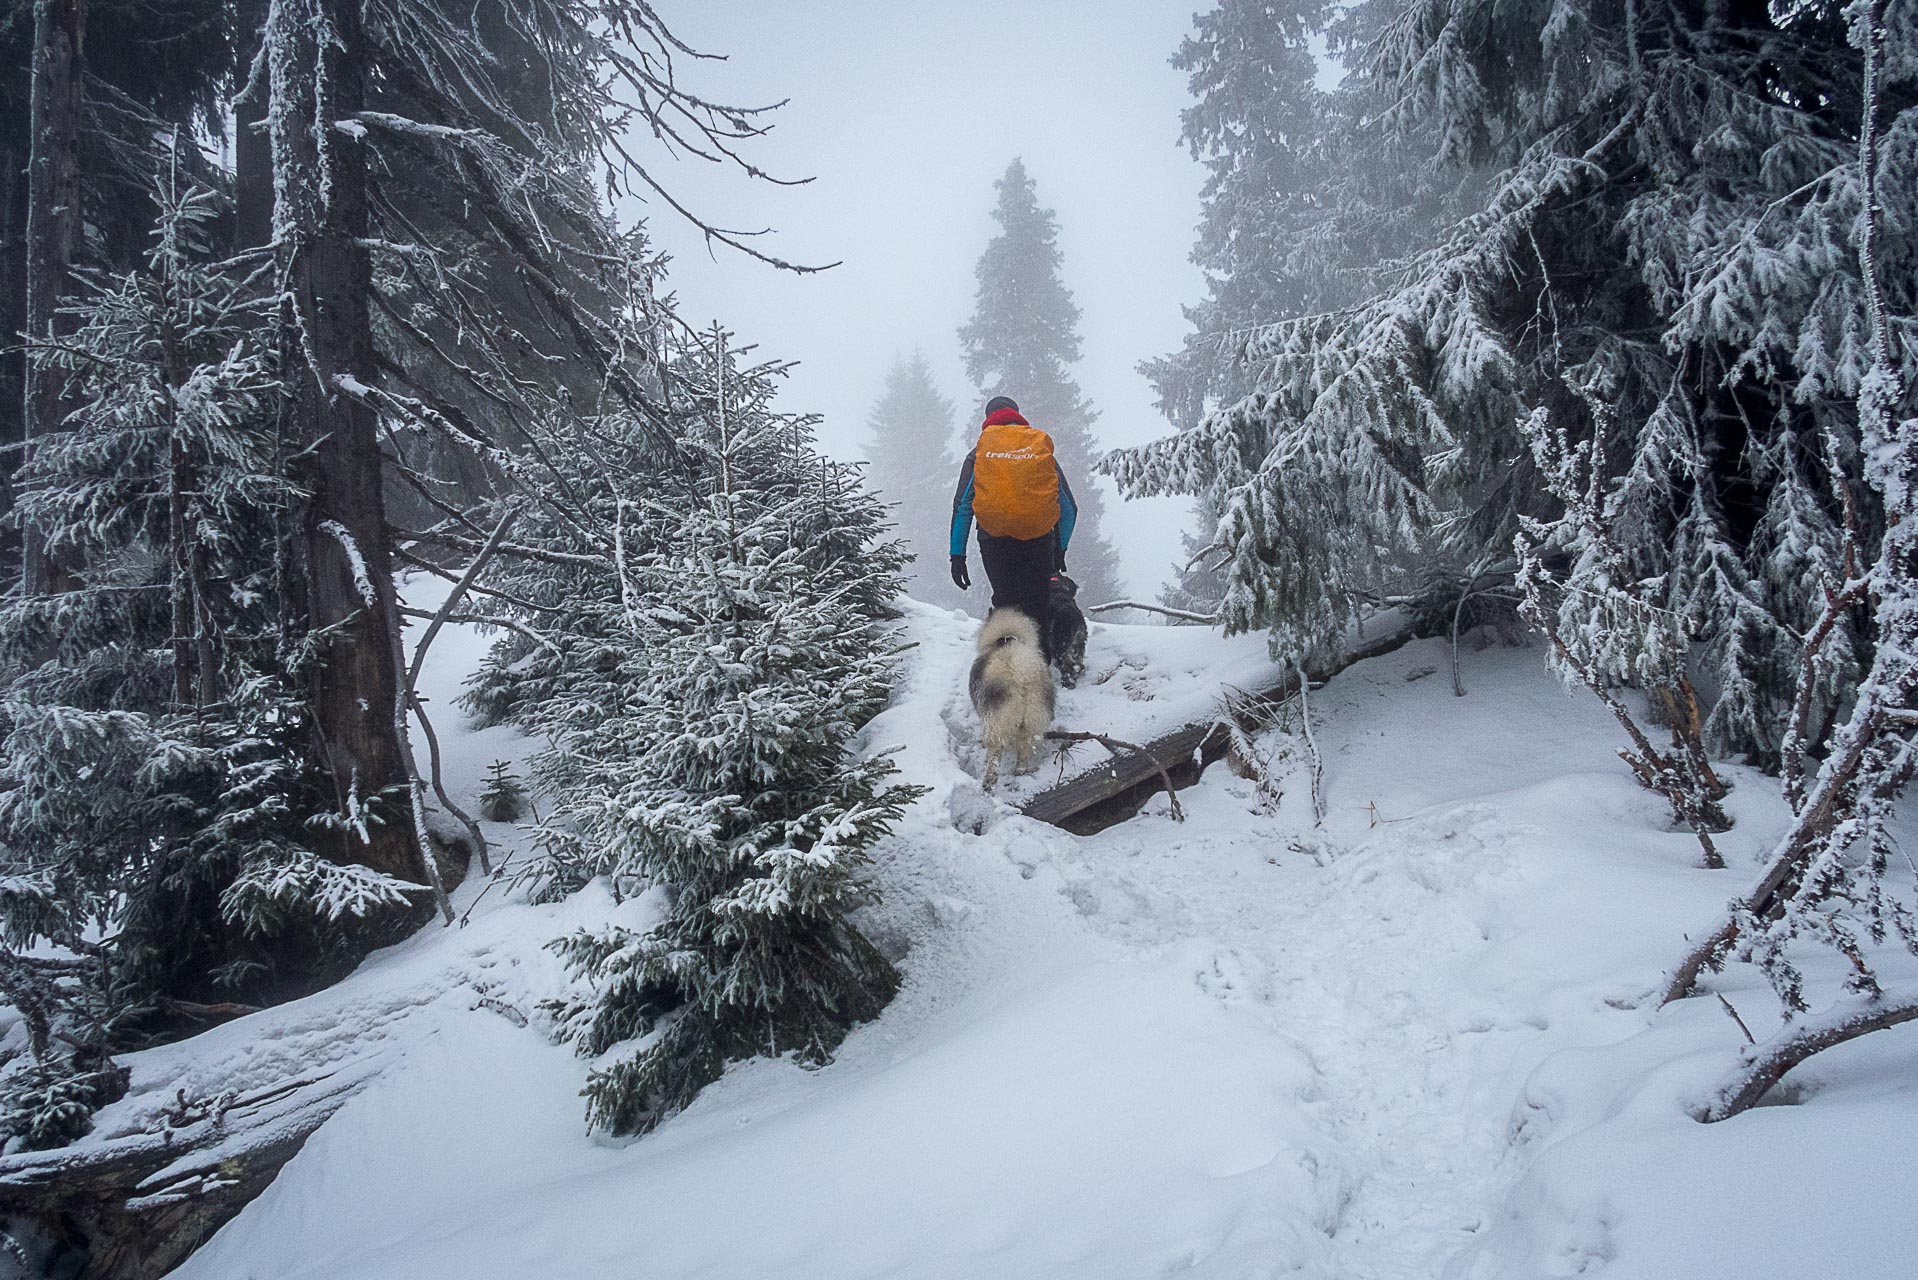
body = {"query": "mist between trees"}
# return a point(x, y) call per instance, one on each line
point(1595, 317)
point(1590, 318)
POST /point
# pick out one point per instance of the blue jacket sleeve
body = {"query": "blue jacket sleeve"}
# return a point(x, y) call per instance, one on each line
point(962, 509)
point(1068, 510)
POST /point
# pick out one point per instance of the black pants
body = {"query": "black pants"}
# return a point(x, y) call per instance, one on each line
point(1020, 570)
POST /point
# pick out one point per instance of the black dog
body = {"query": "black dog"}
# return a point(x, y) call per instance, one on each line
point(1065, 632)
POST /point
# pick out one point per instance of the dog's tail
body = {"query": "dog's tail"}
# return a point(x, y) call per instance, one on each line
point(1004, 626)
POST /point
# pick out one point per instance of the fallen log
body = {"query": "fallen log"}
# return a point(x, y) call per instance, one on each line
point(133, 1206)
point(1116, 789)
point(1116, 747)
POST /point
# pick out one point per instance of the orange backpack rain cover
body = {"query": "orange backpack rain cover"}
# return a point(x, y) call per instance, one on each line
point(1015, 483)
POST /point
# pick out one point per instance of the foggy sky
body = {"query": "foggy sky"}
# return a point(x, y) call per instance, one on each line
point(904, 113)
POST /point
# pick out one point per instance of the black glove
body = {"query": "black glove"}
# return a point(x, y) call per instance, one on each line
point(960, 578)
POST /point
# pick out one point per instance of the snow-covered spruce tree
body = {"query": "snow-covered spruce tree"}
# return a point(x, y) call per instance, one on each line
point(86, 88)
point(1827, 879)
point(157, 830)
point(910, 466)
point(1022, 341)
point(1709, 152)
point(1301, 213)
point(701, 688)
point(1603, 633)
point(400, 132)
point(456, 293)
point(1259, 124)
point(504, 799)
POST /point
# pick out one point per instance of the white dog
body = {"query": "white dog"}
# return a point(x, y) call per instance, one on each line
point(1011, 688)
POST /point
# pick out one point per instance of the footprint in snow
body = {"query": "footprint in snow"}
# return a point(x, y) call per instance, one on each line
point(1233, 977)
point(970, 809)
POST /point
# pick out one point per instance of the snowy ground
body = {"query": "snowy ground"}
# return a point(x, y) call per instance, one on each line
point(1408, 1044)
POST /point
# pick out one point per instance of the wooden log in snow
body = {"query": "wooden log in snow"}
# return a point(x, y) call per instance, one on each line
point(132, 1207)
point(1114, 790)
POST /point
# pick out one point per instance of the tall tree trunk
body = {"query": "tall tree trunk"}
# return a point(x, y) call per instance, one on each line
point(252, 173)
point(342, 569)
point(53, 218)
point(181, 595)
point(13, 322)
point(252, 147)
point(195, 668)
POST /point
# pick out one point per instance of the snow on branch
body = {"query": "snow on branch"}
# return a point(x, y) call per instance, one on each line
point(1765, 1065)
point(1186, 615)
point(410, 128)
point(362, 582)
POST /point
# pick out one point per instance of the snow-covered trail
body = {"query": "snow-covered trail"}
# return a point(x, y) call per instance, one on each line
point(1384, 945)
point(1384, 948)
point(1388, 1048)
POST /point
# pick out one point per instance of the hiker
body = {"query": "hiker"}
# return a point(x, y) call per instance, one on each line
point(1011, 484)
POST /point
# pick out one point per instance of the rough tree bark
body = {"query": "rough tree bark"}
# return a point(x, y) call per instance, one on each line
point(343, 577)
point(57, 103)
point(13, 322)
point(252, 147)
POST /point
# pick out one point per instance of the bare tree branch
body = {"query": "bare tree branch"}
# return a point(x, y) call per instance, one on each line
point(1210, 619)
point(1765, 1065)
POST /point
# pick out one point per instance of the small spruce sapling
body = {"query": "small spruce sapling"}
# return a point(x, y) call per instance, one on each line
point(504, 799)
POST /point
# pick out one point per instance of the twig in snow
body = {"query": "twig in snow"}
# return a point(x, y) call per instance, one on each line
point(1243, 717)
point(1470, 593)
point(465, 819)
point(485, 889)
point(1735, 1018)
point(1372, 808)
point(416, 793)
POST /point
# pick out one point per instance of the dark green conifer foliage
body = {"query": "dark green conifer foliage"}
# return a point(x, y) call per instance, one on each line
point(1636, 228)
point(504, 799)
point(702, 688)
point(151, 790)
